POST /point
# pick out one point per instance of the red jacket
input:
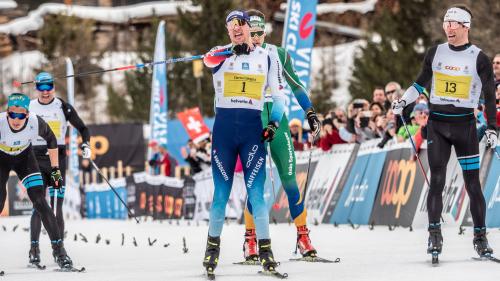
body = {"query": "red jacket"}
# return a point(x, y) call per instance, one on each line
point(326, 142)
point(166, 161)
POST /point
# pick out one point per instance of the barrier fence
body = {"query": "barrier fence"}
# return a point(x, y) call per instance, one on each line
point(350, 184)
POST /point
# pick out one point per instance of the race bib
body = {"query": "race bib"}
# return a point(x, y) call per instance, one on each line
point(452, 86)
point(55, 126)
point(243, 85)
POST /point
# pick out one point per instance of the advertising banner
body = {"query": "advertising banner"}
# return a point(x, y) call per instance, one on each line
point(399, 190)
point(113, 142)
point(298, 40)
point(102, 202)
point(325, 180)
point(280, 211)
point(492, 193)
point(356, 202)
point(19, 203)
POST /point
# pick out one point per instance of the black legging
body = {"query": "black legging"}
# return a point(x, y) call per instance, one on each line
point(25, 165)
point(463, 136)
point(45, 168)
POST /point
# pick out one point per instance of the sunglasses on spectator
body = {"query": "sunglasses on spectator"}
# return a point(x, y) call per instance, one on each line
point(256, 33)
point(44, 86)
point(19, 116)
point(452, 24)
point(390, 92)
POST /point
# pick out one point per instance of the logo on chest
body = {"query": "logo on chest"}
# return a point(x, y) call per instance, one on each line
point(17, 143)
point(245, 66)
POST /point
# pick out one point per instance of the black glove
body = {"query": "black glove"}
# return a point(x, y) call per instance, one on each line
point(241, 49)
point(269, 131)
point(314, 122)
point(56, 180)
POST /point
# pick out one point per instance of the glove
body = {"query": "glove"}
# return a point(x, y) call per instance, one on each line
point(491, 138)
point(269, 131)
point(314, 122)
point(242, 49)
point(398, 106)
point(56, 180)
point(86, 152)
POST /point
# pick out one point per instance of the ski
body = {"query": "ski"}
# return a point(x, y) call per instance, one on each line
point(210, 273)
point(37, 266)
point(70, 269)
point(316, 259)
point(274, 273)
point(248, 262)
point(487, 258)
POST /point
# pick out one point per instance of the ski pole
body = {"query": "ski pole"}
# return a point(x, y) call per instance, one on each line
point(127, 67)
point(415, 150)
point(113, 189)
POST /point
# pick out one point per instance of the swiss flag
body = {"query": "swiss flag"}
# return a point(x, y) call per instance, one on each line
point(193, 124)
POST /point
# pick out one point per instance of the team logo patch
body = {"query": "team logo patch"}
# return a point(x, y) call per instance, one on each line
point(17, 142)
point(245, 66)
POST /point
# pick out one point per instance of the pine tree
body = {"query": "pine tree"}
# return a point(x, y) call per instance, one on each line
point(68, 36)
point(134, 103)
point(198, 33)
point(398, 53)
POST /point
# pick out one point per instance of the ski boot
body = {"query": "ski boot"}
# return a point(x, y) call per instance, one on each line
point(304, 242)
point(34, 254)
point(62, 258)
point(212, 254)
point(435, 242)
point(250, 246)
point(266, 255)
point(481, 242)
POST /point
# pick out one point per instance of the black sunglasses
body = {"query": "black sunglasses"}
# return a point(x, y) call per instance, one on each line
point(256, 33)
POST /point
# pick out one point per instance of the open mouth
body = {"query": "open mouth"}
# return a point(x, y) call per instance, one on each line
point(238, 35)
point(451, 36)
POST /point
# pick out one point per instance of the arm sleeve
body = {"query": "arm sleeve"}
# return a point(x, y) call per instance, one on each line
point(46, 133)
point(275, 83)
point(75, 120)
point(293, 80)
point(213, 61)
point(424, 78)
point(485, 71)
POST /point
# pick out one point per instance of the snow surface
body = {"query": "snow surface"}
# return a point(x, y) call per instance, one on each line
point(8, 4)
point(121, 14)
point(365, 255)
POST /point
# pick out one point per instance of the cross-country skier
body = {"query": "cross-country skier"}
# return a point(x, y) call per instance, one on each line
point(18, 130)
point(457, 72)
point(56, 113)
point(240, 81)
point(282, 150)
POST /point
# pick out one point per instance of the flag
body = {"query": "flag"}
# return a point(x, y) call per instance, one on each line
point(158, 110)
point(193, 124)
point(298, 40)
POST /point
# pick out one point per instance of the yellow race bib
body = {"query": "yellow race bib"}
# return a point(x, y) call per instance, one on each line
point(243, 85)
point(452, 86)
point(55, 126)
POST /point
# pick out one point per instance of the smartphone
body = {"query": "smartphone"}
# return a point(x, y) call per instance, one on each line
point(358, 105)
point(364, 122)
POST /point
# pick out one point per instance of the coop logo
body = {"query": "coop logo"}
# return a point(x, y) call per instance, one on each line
point(398, 184)
point(454, 68)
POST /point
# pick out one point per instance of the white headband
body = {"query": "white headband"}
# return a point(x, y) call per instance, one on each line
point(458, 15)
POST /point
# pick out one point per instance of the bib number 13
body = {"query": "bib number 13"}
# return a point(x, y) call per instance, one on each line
point(451, 87)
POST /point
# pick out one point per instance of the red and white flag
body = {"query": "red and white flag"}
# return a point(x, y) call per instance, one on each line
point(193, 124)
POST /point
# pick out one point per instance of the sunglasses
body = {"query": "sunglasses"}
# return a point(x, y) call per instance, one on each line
point(452, 24)
point(19, 116)
point(256, 33)
point(44, 86)
point(390, 92)
point(237, 21)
